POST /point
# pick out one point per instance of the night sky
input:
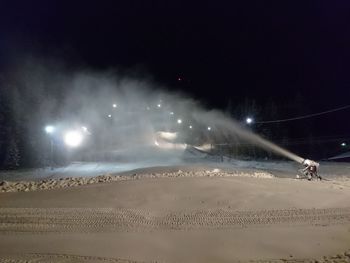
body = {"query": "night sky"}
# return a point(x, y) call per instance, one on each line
point(222, 50)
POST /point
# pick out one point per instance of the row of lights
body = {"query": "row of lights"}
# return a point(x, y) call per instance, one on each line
point(249, 120)
point(114, 105)
point(179, 121)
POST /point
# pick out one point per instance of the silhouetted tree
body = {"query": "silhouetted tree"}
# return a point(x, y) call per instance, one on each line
point(12, 154)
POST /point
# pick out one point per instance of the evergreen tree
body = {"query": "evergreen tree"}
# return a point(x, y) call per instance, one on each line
point(12, 155)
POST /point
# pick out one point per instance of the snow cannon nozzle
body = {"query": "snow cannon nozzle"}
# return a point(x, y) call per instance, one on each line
point(308, 162)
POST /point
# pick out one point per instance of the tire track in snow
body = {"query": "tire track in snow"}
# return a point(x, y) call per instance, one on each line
point(107, 219)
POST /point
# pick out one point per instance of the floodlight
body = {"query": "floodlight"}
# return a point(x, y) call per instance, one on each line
point(73, 138)
point(249, 120)
point(49, 129)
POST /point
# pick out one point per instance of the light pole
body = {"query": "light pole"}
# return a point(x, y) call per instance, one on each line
point(49, 130)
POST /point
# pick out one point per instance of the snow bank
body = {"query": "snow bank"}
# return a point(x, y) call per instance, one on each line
point(26, 186)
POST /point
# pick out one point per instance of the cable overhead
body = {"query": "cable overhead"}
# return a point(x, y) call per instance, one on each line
point(306, 116)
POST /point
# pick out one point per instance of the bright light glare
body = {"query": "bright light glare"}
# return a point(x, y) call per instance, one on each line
point(209, 128)
point(170, 136)
point(73, 138)
point(159, 105)
point(114, 105)
point(343, 144)
point(49, 129)
point(168, 145)
point(179, 121)
point(190, 126)
point(84, 129)
point(171, 113)
point(109, 115)
point(249, 120)
point(204, 147)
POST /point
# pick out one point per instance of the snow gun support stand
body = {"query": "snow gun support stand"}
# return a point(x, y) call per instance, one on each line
point(309, 171)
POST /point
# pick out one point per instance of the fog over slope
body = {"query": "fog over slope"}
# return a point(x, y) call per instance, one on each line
point(118, 116)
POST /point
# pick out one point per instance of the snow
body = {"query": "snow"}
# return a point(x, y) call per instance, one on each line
point(191, 158)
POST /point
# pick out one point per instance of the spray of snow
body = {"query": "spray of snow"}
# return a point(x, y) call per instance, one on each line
point(230, 126)
point(120, 117)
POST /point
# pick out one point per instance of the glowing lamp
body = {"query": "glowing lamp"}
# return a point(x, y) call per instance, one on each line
point(49, 129)
point(249, 120)
point(73, 138)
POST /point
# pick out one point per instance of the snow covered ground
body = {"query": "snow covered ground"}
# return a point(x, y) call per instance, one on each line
point(199, 206)
point(170, 160)
point(283, 169)
point(75, 169)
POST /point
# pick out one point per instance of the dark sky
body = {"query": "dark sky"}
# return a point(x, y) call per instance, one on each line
point(222, 49)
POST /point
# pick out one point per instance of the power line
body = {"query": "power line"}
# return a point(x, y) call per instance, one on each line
point(306, 116)
point(299, 141)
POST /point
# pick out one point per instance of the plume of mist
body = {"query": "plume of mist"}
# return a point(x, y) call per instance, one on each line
point(122, 115)
point(229, 126)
